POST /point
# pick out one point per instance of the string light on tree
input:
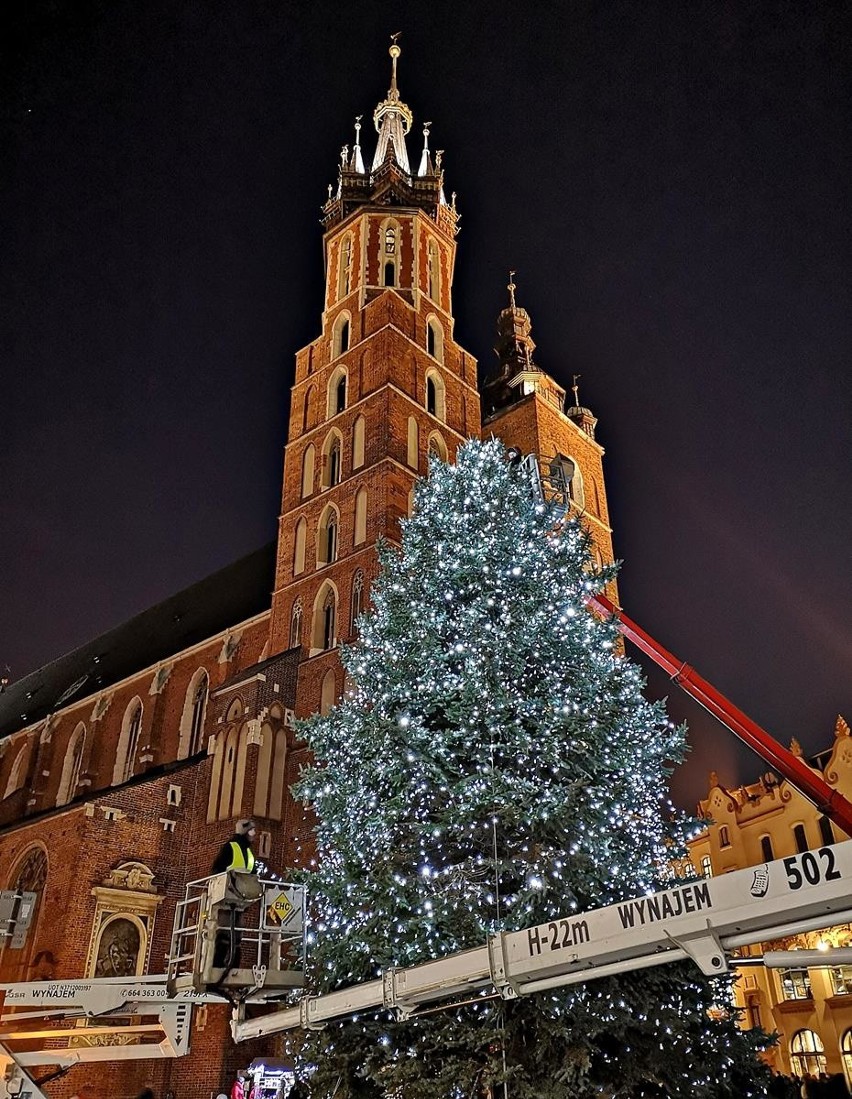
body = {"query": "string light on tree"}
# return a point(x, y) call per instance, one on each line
point(496, 766)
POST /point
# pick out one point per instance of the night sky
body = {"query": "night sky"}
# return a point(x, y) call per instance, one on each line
point(668, 179)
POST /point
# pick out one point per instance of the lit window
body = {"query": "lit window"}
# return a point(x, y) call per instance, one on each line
point(795, 984)
point(707, 866)
point(807, 1053)
point(724, 838)
point(841, 980)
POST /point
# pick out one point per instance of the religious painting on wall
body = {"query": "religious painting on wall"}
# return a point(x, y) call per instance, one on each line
point(118, 950)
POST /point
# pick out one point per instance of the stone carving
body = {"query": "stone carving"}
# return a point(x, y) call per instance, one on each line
point(135, 876)
point(161, 678)
point(101, 707)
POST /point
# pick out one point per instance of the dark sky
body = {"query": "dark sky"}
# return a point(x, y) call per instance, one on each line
point(670, 181)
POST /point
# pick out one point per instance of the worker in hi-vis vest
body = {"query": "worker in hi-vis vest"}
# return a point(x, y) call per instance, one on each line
point(235, 855)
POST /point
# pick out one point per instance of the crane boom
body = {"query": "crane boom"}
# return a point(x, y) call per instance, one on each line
point(797, 772)
point(701, 920)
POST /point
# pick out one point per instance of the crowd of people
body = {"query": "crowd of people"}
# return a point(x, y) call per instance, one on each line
point(810, 1086)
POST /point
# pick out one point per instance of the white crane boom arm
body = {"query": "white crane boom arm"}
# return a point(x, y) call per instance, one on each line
point(698, 920)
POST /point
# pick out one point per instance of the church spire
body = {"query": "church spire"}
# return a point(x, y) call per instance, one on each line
point(357, 162)
point(426, 168)
point(392, 119)
point(515, 345)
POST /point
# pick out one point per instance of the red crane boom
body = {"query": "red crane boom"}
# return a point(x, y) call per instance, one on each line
point(792, 767)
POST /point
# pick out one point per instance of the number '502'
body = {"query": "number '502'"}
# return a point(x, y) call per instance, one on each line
point(811, 868)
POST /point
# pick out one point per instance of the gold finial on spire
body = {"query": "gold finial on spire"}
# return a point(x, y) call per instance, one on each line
point(512, 288)
point(575, 389)
point(394, 51)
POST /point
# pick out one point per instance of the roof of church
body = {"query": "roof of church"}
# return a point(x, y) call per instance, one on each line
point(228, 597)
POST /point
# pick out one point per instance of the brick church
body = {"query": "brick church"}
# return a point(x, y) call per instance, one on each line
point(125, 764)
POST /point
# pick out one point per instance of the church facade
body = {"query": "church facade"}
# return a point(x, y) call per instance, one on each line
point(124, 765)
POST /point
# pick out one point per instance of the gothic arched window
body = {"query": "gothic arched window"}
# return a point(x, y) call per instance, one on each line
point(296, 625)
point(360, 517)
point(199, 707)
point(357, 606)
point(18, 772)
point(71, 766)
point(306, 411)
point(437, 447)
point(328, 692)
point(435, 395)
point(434, 272)
point(358, 433)
point(299, 542)
point(567, 481)
point(308, 470)
point(390, 255)
point(332, 460)
point(192, 718)
point(340, 335)
point(128, 743)
point(337, 392)
point(329, 613)
point(327, 532)
point(413, 451)
point(29, 876)
point(435, 339)
point(324, 619)
point(344, 267)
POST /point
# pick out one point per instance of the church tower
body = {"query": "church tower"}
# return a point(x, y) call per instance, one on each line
point(383, 385)
point(527, 409)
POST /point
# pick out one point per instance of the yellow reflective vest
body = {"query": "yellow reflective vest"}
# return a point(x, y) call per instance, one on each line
point(241, 860)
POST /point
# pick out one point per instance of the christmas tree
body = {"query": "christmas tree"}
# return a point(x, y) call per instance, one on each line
point(494, 765)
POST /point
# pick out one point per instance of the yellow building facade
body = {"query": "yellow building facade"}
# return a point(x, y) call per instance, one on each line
point(811, 1009)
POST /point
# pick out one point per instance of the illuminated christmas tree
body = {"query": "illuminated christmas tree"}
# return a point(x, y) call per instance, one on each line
point(493, 766)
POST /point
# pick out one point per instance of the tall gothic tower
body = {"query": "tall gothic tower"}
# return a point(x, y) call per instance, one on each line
point(383, 384)
point(527, 409)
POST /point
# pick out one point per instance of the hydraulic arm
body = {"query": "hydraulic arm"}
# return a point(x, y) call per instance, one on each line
point(792, 767)
point(701, 920)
